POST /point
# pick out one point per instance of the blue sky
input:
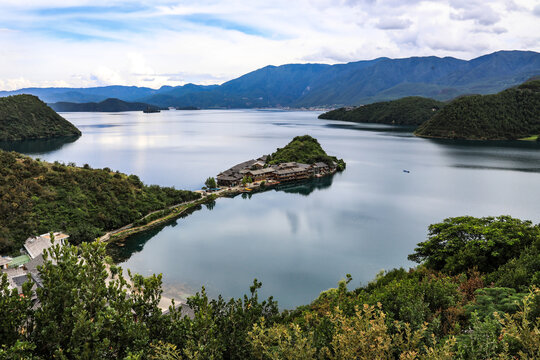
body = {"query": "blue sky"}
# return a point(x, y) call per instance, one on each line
point(163, 42)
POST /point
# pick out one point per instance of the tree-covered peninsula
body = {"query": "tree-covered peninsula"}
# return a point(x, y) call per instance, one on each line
point(511, 114)
point(26, 117)
point(474, 295)
point(38, 197)
point(411, 111)
point(304, 149)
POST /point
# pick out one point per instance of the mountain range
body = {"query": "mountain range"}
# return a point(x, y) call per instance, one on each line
point(316, 85)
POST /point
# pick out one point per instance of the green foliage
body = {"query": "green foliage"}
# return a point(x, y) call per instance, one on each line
point(38, 197)
point(462, 243)
point(521, 272)
point(411, 111)
point(89, 310)
point(510, 114)
point(480, 340)
point(304, 149)
point(491, 300)
point(27, 117)
point(210, 183)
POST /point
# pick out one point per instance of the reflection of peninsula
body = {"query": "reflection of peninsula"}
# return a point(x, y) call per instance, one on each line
point(36, 146)
point(122, 251)
point(307, 187)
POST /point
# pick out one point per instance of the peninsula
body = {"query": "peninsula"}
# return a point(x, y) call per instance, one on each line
point(509, 115)
point(27, 117)
point(409, 111)
point(301, 159)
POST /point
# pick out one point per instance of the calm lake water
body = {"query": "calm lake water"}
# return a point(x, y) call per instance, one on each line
point(301, 239)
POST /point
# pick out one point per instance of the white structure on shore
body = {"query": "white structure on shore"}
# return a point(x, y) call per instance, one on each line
point(35, 246)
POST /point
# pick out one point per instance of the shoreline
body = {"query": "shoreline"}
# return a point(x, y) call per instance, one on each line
point(123, 233)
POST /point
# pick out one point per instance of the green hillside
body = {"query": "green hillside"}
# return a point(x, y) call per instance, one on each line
point(38, 197)
point(412, 111)
point(304, 149)
point(508, 115)
point(26, 117)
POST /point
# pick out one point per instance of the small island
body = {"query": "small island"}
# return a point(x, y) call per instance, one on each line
point(303, 158)
point(25, 117)
point(408, 111)
point(509, 115)
point(108, 105)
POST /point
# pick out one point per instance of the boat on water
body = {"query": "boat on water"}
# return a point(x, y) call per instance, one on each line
point(149, 110)
point(406, 171)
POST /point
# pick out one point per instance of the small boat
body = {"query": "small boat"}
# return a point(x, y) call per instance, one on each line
point(406, 171)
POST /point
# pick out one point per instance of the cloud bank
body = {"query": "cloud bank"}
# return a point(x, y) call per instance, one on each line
point(165, 42)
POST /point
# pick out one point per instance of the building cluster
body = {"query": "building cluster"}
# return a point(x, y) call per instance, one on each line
point(24, 267)
point(258, 170)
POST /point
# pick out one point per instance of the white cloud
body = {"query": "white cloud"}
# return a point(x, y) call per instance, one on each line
point(168, 42)
point(394, 23)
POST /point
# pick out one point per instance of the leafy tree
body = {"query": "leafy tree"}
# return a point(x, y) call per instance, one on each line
point(210, 183)
point(462, 243)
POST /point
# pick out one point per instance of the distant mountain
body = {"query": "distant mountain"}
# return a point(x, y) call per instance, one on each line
point(511, 114)
point(308, 85)
point(109, 105)
point(413, 110)
point(26, 117)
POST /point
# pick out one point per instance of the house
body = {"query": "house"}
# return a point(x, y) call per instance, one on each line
point(262, 174)
point(319, 168)
point(35, 246)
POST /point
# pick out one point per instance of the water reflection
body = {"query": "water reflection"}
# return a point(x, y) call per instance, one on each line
point(37, 146)
point(121, 251)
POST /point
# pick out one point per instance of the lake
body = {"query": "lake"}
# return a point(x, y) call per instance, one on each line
point(304, 238)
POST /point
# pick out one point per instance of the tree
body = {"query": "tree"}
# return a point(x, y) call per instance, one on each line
point(210, 183)
point(462, 243)
point(83, 315)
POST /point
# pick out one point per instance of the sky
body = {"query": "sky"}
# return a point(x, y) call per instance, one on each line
point(84, 43)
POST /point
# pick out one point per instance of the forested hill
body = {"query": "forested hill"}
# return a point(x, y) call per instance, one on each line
point(304, 149)
point(306, 85)
point(412, 111)
point(508, 115)
point(27, 117)
point(108, 105)
point(38, 197)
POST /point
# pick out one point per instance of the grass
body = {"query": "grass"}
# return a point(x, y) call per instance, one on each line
point(530, 138)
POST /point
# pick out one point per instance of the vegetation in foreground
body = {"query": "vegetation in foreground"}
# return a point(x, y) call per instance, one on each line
point(26, 117)
point(474, 296)
point(304, 149)
point(410, 111)
point(37, 197)
point(511, 114)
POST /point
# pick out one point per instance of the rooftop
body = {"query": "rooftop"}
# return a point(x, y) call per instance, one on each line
point(35, 246)
point(18, 261)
